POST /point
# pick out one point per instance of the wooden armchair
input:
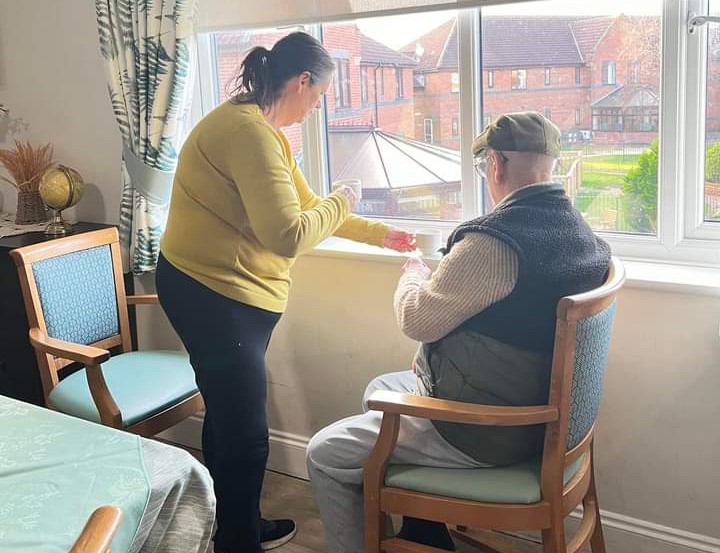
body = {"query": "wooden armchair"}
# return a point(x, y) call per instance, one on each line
point(99, 531)
point(532, 495)
point(77, 311)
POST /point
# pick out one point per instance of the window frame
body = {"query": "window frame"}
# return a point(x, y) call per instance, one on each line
point(522, 80)
point(343, 87)
point(682, 235)
point(399, 87)
point(364, 88)
point(609, 69)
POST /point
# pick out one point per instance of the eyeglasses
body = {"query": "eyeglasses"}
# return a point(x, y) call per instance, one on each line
point(480, 163)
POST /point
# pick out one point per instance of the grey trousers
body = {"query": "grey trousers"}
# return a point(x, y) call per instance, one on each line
point(336, 455)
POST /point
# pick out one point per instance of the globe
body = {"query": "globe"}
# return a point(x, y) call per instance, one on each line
point(60, 187)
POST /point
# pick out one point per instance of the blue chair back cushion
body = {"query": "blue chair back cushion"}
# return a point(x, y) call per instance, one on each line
point(77, 295)
point(592, 342)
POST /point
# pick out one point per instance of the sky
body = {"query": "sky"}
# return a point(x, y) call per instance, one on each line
point(398, 31)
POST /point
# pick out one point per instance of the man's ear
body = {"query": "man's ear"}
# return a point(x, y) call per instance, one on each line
point(499, 167)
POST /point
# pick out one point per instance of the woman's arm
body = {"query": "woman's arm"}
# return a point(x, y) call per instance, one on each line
point(354, 228)
point(264, 177)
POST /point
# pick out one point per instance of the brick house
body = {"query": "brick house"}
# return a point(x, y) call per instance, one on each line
point(596, 75)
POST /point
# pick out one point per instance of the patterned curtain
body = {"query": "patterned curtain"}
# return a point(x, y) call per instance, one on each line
point(148, 46)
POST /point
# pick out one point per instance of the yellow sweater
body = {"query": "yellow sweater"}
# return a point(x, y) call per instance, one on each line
point(241, 210)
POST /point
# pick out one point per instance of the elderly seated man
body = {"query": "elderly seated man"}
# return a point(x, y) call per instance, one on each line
point(486, 322)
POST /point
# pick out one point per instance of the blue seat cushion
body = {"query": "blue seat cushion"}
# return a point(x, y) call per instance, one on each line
point(142, 383)
point(519, 483)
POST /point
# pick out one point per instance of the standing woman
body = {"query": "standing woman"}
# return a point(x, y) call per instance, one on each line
point(241, 212)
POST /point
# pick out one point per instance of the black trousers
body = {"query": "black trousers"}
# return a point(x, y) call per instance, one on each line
point(227, 341)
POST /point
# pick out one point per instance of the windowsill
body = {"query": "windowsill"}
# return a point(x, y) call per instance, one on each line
point(650, 275)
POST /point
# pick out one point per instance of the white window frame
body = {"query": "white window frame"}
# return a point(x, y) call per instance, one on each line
point(428, 131)
point(609, 69)
point(521, 78)
point(682, 234)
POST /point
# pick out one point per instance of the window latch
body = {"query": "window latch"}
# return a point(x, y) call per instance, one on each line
point(695, 21)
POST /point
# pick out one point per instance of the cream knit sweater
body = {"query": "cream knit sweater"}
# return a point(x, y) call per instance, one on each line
point(478, 271)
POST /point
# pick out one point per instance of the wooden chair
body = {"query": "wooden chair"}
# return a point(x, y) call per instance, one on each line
point(77, 311)
point(532, 495)
point(99, 531)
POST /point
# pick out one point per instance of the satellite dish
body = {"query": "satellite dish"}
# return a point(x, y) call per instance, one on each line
point(419, 50)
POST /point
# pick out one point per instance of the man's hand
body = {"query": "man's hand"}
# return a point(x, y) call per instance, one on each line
point(399, 240)
point(417, 265)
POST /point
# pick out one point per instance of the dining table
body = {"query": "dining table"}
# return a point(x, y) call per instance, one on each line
point(55, 470)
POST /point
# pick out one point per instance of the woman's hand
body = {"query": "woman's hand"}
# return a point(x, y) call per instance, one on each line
point(399, 240)
point(417, 265)
point(349, 194)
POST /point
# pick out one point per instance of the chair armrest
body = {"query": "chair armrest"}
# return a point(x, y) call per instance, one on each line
point(142, 299)
point(87, 355)
point(99, 530)
point(398, 403)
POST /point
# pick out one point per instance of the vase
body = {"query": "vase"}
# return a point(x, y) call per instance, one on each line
point(30, 208)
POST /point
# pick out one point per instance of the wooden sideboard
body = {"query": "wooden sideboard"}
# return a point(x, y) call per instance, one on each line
point(19, 377)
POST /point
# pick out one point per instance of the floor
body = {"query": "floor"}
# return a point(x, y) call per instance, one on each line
point(288, 497)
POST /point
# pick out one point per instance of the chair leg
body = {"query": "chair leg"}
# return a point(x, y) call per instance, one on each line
point(597, 540)
point(553, 538)
point(374, 526)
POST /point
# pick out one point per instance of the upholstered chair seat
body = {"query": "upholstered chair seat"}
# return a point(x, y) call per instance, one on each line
point(166, 377)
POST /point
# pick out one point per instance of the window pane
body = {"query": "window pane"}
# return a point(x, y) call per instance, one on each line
point(712, 121)
point(230, 48)
point(393, 116)
point(604, 63)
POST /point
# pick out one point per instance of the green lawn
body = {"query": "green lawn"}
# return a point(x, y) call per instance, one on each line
point(596, 180)
point(611, 163)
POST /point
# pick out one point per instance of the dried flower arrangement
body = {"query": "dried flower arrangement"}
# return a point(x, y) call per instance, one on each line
point(26, 164)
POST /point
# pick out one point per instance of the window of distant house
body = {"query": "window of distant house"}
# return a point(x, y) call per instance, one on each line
point(455, 127)
point(518, 79)
point(490, 78)
point(419, 80)
point(635, 72)
point(548, 76)
point(578, 75)
point(342, 86)
point(364, 84)
point(609, 75)
point(578, 116)
point(380, 80)
point(428, 131)
point(455, 82)
point(399, 90)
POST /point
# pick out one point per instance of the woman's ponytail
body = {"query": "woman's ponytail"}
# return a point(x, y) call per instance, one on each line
point(254, 83)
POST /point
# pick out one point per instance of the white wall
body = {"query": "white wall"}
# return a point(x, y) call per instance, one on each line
point(52, 76)
point(658, 443)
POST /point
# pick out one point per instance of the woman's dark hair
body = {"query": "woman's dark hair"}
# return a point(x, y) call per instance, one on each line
point(264, 72)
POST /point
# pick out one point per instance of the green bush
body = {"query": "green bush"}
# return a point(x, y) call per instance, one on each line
point(640, 192)
point(712, 163)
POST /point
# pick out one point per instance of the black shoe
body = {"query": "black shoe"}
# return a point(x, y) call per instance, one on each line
point(274, 533)
point(426, 532)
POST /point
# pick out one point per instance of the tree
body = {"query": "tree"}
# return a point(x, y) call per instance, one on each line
point(641, 192)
